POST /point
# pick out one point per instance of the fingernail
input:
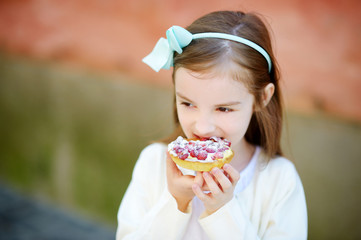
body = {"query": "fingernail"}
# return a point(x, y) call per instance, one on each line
point(215, 170)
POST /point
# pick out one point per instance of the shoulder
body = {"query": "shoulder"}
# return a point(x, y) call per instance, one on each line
point(279, 165)
point(276, 166)
point(279, 173)
point(154, 150)
point(151, 159)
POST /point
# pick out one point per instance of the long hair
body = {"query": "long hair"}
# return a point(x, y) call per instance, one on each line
point(201, 55)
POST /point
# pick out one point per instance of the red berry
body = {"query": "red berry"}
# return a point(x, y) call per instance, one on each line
point(222, 149)
point(183, 156)
point(202, 155)
point(179, 150)
point(218, 155)
point(194, 153)
point(210, 150)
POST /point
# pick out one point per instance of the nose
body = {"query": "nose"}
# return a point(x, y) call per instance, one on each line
point(204, 125)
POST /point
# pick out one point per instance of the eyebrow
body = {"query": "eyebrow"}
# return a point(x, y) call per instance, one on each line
point(184, 97)
point(228, 104)
point(218, 105)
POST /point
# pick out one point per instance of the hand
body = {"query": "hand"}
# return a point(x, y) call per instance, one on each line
point(180, 186)
point(221, 185)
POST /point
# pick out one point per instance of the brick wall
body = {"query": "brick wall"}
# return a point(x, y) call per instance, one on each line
point(317, 42)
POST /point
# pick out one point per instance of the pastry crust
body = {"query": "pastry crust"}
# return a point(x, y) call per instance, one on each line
point(202, 166)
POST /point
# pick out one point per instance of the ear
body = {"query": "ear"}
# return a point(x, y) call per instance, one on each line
point(267, 94)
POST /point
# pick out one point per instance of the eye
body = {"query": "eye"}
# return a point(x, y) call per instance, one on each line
point(187, 104)
point(224, 109)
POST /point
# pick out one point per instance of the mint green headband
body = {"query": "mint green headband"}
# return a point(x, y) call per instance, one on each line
point(178, 38)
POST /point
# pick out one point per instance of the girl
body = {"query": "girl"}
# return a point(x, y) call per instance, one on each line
point(226, 85)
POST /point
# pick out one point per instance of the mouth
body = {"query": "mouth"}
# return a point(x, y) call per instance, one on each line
point(203, 138)
point(200, 137)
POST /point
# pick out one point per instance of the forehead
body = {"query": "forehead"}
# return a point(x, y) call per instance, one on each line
point(221, 68)
point(211, 85)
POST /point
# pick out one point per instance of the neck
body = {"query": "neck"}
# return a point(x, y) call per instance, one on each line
point(242, 155)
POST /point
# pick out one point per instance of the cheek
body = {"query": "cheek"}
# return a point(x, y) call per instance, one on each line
point(237, 124)
point(232, 125)
point(184, 118)
point(180, 113)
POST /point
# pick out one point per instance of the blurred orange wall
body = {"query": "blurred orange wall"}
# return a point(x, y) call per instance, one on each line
point(317, 42)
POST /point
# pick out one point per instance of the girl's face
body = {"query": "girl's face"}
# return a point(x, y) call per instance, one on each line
point(210, 105)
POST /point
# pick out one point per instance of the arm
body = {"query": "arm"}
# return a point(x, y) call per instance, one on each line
point(288, 212)
point(273, 207)
point(223, 217)
point(148, 210)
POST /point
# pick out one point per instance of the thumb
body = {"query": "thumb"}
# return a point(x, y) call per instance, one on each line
point(171, 166)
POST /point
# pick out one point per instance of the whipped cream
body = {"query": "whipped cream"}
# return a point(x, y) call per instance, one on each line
point(200, 151)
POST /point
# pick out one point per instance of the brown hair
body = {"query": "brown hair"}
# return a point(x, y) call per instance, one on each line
point(204, 54)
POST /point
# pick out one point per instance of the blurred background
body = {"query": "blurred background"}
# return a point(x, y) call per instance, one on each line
point(77, 106)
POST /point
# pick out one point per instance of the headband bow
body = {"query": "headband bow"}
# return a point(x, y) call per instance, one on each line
point(178, 38)
point(162, 54)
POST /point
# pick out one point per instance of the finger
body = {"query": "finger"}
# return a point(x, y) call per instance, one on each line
point(225, 173)
point(199, 179)
point(171, 166)
point(213, 186)
point(199, 193)
point(232, 172)
point(222, 179)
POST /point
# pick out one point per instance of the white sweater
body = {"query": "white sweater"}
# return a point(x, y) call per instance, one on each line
point(270, 206)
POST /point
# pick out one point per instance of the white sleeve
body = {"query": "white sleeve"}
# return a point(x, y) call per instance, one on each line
point(282, 216)
point(148, 210)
